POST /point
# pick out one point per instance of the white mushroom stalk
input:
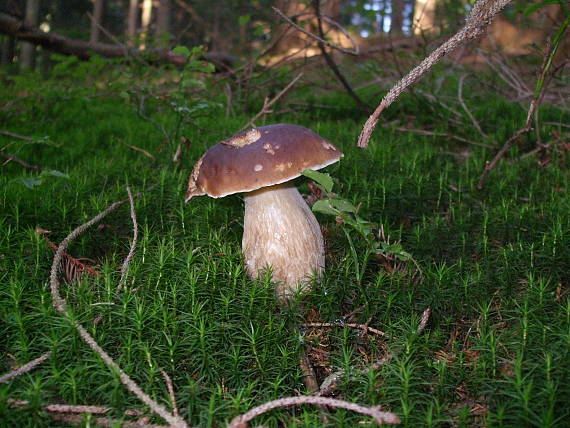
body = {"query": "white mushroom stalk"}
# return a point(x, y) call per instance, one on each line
point(282, 234)
point(280, 231)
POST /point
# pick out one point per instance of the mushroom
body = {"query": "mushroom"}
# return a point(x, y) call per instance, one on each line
point(280, 230)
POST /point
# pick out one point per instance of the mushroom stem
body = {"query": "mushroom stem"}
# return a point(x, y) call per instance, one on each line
point(281, 232)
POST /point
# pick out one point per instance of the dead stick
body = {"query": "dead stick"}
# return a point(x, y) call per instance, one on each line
point(25, 368)
point(127, 260)
point(10, 158)
point(60, 305)
point(380, 417)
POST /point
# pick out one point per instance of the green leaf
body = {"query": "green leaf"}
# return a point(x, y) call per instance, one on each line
point(31, 182)
point(342, 205)
point(324, 206)
point(321, 178)
point(55, 173)
point(182, 51)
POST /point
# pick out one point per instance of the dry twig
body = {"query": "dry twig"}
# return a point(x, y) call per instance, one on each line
point(127, 260)
point(480, 17)
point(25, 368)
point(268, 103)
point(332, 65)
point(60, 305)
point(170, 388)
point(12, 158)
point(380, 417)
point(317, 38)
point(466, 109)
point(75, 415)
point(542, 82)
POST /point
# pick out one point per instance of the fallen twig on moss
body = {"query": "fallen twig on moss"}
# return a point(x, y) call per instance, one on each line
point(127, 260)
point(60, 305)
point(380, 417)
point(25, 368)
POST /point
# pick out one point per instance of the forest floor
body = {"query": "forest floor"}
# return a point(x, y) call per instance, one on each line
point(492, 264)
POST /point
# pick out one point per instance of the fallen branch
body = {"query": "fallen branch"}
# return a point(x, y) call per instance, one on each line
point(12, 158)
point(25, 368)
point(84, 50)
point(380, 417)
point(75, 415)
point(60, 305)
point(17, 136)
point(480, 17)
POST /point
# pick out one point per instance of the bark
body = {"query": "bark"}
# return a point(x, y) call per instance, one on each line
point(28, 55)
point(397, 17)
point(132, 21)
point(80, 48)
point(84, 50)
point(164, 17)
point(145, 22)
point(424, 16)
point(97, 20)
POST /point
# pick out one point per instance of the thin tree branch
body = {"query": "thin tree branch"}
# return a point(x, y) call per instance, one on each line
point(60, 305)
point(313, 36)
point(127, 260)
point(332, 65)
point(379, 416)
point(480, 17)
point(12, 158)
point(25, 368)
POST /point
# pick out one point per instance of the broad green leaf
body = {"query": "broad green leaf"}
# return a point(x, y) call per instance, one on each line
point(324, 206)
point(321, 178)
point(243, 20)
point(182, 51)
point(342, 205)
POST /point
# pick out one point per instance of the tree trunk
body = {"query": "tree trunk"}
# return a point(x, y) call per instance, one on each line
point(132, 21)
point(96, 20)
point(164, 17)
point(424, 16)
point(7, 55)
point(28, 55)
point(397, 24)
point(145, 22)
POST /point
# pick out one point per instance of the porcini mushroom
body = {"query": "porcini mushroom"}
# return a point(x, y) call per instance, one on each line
point(280, 231)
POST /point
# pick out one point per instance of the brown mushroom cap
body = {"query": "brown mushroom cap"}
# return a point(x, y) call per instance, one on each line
point(260, 157)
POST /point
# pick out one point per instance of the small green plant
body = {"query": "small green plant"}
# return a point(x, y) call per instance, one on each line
point(347, 214)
